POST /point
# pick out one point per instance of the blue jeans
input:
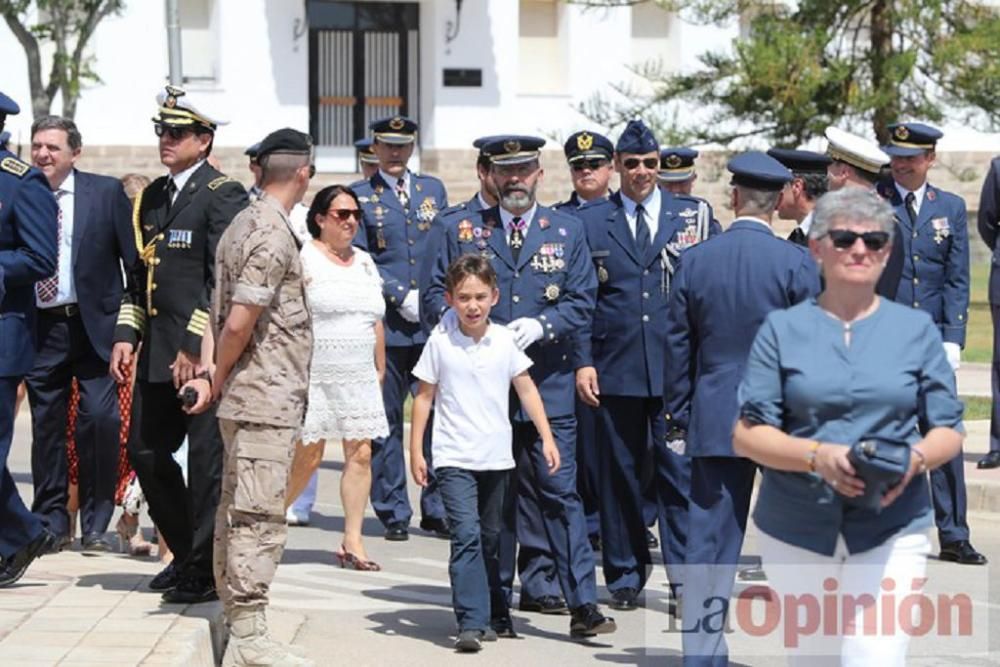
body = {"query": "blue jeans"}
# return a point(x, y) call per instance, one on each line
point(473, 502)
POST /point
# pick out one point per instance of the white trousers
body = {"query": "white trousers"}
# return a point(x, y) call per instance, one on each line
point(844, 597)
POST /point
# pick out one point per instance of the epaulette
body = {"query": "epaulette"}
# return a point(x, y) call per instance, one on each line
point(14, 166)
point(215, 184)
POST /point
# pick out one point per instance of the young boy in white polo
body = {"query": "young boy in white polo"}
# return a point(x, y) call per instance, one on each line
point(466, 372)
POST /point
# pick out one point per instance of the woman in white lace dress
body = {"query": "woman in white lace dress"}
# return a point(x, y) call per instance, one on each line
point(344, 292)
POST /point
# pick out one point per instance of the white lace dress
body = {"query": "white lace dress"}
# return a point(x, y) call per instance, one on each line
point(345, 401)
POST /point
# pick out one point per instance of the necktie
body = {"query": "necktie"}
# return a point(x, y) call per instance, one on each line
point(911, 208)
point(516, 237)
point(642, 238)
point(171, 191)
point(798, 236)
point(401, 194)
point(48, 288)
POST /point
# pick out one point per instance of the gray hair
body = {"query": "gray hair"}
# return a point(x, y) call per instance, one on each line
point(756, 202)
point(851, 204)
point(73, 137)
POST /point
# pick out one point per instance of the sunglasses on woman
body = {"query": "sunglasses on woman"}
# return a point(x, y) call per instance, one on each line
point(591, 164)
point(844, 238)
point(634, 162)
point(345, 214)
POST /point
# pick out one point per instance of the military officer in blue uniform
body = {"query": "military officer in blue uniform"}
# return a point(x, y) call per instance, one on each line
point(398, 208)
point(589, 156)
point(721, 293)
point(988, 220)
point(547, 286)
point(677, 174)
point(935, 278)
point(635, 242)
point(809, 183)
point(431, 309)
point(367, 160)
point(28, 227)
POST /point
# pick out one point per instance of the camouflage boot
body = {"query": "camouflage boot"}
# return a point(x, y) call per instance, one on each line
point(249, 643)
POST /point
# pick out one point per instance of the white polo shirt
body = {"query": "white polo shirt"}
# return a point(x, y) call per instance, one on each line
point(472, 419)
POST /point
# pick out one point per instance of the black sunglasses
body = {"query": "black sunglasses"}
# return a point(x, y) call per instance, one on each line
point(590, 163)
point(344, 214)
point(844, 238)
point(649, 163)
point(175, 133)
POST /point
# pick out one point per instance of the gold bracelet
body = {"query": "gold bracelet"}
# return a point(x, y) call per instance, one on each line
point(813, 448)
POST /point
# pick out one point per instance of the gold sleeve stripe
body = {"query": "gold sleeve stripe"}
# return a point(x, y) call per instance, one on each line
point(131, 316)
point(198, 322)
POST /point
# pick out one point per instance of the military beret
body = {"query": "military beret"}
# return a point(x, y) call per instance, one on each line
point(252, 151)
point(8, 107)
point(285, 141)
point(584, 145)
point(907, 139)
point(801, 162)
point(178, 109)
point(759, 171)
point(512, 148)
point(856, 151)
point(636, 138)
point(394, 130)
point(365, 153)
point(677, 164)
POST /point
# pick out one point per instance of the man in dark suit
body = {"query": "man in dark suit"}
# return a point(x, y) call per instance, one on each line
point(988, 221)
point(77, 307)
point(721, 293)
point(179, 219)
point(809, 183)
point(935, 278)
point(27, 254)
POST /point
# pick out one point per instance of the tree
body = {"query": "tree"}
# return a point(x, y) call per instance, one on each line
point(802, 66)
point(66, 27)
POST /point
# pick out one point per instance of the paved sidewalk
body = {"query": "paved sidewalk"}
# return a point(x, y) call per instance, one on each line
point(974, 379)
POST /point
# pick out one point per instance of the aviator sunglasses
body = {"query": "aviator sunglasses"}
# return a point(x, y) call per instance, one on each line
point(633, 163)
point(591, 164)
point(175, 133)
point(844, 238)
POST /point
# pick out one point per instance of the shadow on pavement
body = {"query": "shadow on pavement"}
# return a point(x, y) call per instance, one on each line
point(434, 626)
point(114, 581)
point(413, 593)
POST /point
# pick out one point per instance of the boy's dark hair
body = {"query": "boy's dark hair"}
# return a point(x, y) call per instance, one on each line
point(470, 265)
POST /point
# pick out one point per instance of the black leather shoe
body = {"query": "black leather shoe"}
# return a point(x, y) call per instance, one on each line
point(397, 532)
point(13, 568)
point(595, 542)
point(752, 573)
point(165, 580)
point(961, 552)
point(58, 543)
point(587, 621)
point(990, 461)
point(192, 590)
point(96, 542)
point(625, 599)
point(546, 604)
point(503, 626)
point(436, 527)
point(651, 540)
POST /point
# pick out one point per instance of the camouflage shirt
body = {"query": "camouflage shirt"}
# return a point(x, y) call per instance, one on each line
point(257, 264)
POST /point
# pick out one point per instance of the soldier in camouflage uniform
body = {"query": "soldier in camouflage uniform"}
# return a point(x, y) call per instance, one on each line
point(264, 347)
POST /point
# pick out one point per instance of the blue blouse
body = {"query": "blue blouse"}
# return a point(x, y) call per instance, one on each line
point(892, 380)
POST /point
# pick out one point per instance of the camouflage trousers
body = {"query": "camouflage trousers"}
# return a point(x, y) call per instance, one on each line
point(250, 529)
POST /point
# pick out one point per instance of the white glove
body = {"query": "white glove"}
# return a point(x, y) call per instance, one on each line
point(677, 446)
point(448, 323)
point(954, 354)
point(410, 308)
point(527, 330)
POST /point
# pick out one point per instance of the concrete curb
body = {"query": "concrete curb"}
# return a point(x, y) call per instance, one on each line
point(194, 639)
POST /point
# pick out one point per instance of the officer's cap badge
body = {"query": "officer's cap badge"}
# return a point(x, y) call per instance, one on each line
point(512, 146)
point(396, 123)
point(673, 161)
point(902, 133)
point(173, 92)
point(585, 141)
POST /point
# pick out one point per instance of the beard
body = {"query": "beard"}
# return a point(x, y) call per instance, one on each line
point(518, 197)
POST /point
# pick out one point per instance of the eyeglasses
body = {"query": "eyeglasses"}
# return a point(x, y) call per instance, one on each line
point(175, 133)
point(592, 164)
point(634, 162)
point(345, 214)
point(844, 238)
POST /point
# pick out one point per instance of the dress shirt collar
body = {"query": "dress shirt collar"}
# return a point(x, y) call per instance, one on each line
point(68, 186)
point(506, 217)
point(806, 224)
point(756, 220)
point(482, 202)
point(180, 179)
point(918, 194)
point(392, 180)
point(651, 204)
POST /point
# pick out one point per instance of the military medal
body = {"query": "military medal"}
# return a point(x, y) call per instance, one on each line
point(552, 292)
point(516, 240)
point(543, 223)
point(380, 238)
point(602, 274)
point(464, 231)
point(374, 198)
point(942, 229)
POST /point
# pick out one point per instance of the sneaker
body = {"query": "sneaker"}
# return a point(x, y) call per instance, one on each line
point(469, 641)
point(293, 518)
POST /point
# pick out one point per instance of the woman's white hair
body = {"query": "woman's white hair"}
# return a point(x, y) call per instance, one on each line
point(851, 204)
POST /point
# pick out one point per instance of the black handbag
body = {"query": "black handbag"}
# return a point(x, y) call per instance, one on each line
point(881, 463)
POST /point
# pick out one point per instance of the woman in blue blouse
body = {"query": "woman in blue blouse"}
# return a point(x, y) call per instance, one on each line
point(821, 376)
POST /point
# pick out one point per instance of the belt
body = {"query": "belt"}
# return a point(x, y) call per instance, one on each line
point(64, 312)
